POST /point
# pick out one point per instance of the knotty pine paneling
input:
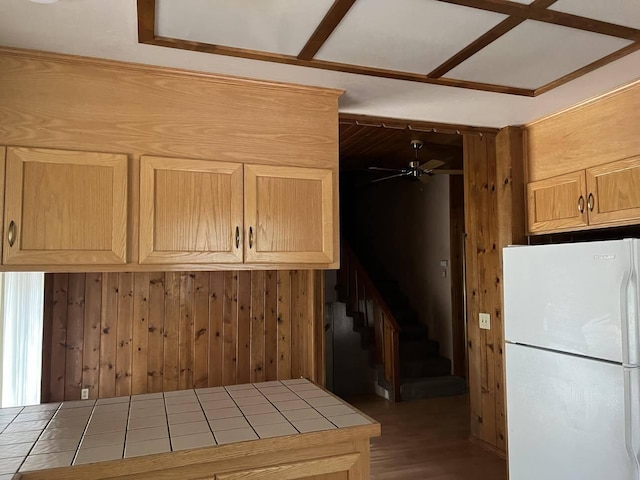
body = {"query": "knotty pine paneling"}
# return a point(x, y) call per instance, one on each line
point(494, 218)
point(131, 333)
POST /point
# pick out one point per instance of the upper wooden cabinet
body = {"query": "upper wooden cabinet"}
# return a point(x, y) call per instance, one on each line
point(289, 214)
point(190, 211)
point(65, 207)
point(605, 195)
point(557, 203)
point(614, 192)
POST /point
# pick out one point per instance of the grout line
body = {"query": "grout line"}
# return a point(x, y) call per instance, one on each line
point(126, 427)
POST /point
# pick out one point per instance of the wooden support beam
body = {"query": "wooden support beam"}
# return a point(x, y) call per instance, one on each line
point(329, 23)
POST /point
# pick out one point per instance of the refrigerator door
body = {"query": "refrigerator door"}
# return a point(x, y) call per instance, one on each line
point(570, 417)
point(578, 298)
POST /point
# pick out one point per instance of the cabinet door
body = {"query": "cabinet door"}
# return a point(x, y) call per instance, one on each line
point(342, 467)
point(65, 208)
point(614, 192)
point(288, 214)
point(190, 211)
point(558, 203)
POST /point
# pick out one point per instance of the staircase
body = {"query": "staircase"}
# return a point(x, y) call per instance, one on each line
point(407, 362)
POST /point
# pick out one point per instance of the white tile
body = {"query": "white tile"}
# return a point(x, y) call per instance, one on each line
point(257, 409)
point(182, 400)
point(24, 426)
point(10, 465)
point(334, 410)
point(205, 391)
point(180, 429)
point(149, 447)
point(228, 423)
point(197, 440)
point(262, 385)
point(145, 434)
point(29, 417)
point(323, 401)
point(291, 405)
point(99, 454)
point(249, 392)
point(272, 390)
point(102, 440)
point(47, 460)
point(148, 412)
point(237, 435)
point(179, 393)
point(306, 394)
point(68, 432)
point(282, 397)
point(223, 413)
point(186, 417)
point(141, 405)
point(43, 407)
point(109, 401)
point(305, 414)
point(235, 388)
point(111, 407)
point(55, 445)
point(265, 419)
point(218, 404)
point(295, 381)
point(250, 400)
point(147, 422)
point(275, 430)
point(146, 396)
point(15, 450)
point(184, 408)
point(77, 404)
point(314, 425)
point(350, 420)
point(19, 437)
point(214, 397)
point(302, 387)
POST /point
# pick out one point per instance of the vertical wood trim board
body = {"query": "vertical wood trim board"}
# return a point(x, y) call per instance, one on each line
point(494, 218)
point(125, 333)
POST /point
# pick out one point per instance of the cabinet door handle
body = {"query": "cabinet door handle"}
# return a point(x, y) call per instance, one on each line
point(11, 233)
point(237, 237)
point(591, 202)
point(581, 204)
point(250, 237)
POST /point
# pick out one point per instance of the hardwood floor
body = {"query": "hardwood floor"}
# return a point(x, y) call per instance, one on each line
point(427, 440)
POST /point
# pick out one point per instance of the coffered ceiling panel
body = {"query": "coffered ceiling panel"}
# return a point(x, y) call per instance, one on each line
point(534, 54)
point(621, 12)
point(407, 35)
point(279, 26)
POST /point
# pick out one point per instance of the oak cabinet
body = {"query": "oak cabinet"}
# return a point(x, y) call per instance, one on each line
point(605, 195)
point(614, 192)
point(190, 211)
point(342, 467)
point(64, 207)
point(208, 212)
point(288, 214)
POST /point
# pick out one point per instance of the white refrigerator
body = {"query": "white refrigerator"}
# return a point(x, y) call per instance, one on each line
point(572, 332)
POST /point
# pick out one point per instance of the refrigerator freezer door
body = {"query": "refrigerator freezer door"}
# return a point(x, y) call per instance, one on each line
point(575, 298)
point(568, 417)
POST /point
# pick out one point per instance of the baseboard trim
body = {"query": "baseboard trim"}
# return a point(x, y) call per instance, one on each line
point(487, 446)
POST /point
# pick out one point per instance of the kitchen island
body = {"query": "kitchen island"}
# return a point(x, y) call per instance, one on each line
point(288, 429)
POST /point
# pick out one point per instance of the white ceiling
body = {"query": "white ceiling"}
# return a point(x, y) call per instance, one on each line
point(534, 54)
point(410, 35)
point(108, 29)
point(621, 12)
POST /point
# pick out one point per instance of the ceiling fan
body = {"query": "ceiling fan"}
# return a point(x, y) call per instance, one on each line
point(415, 170)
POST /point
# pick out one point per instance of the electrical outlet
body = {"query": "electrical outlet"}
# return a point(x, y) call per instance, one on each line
point(485, 321)
point(84, 394)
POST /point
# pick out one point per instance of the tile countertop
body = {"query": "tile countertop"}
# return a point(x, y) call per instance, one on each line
point(88, 431)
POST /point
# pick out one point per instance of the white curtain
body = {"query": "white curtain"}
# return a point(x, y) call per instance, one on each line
point(22, 312)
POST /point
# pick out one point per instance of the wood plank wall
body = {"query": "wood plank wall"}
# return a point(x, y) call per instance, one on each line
point(131, 333)
point(494, 218)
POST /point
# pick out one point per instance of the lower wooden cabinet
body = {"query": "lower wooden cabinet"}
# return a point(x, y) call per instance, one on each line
point(606, 195)
point(289, 214)
point(64, 207)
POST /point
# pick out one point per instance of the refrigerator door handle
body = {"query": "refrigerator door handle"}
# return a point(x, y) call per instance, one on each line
point(632, 414)
point(632, 328)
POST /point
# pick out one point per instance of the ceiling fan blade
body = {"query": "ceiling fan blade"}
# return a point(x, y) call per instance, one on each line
point(380, 169)
point(431, 164)
point(390, 177)
point(446, 172)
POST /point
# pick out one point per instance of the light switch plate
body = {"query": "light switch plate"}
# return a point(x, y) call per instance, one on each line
point(84, 394)
point(485, 321)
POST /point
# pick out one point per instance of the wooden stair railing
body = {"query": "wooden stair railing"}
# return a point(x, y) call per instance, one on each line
point(362, 297)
